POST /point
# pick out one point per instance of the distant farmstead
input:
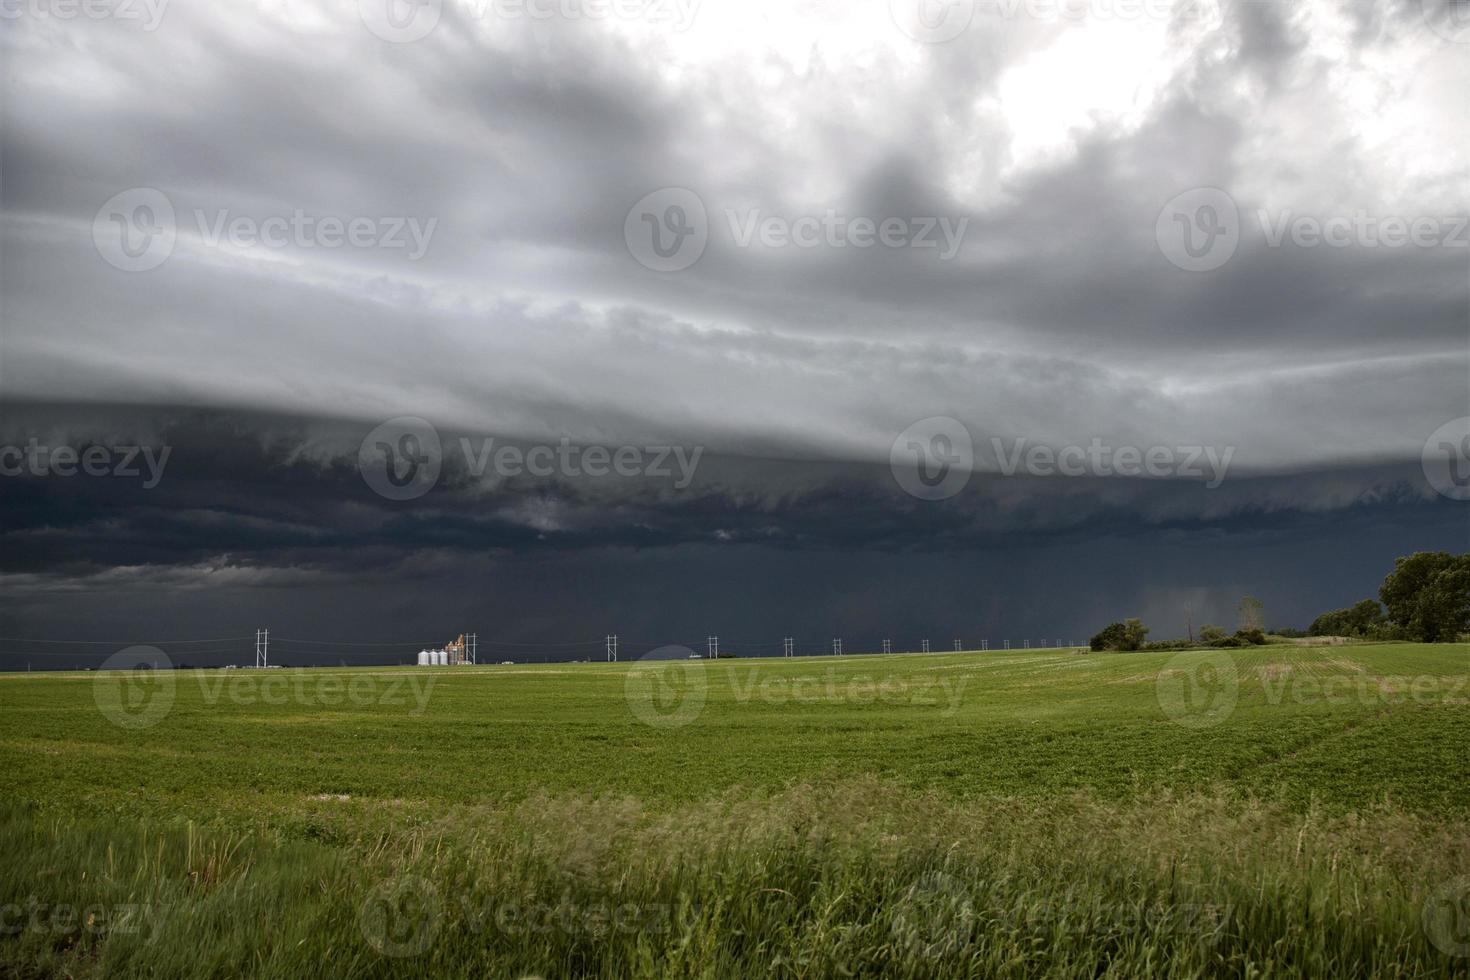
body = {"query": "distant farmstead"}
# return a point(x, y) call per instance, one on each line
point(459, 651)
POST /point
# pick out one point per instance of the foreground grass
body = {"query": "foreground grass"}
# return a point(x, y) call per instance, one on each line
point(860, 878)
point(1282, 811)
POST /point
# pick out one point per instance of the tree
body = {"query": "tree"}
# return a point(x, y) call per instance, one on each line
point(1252, 613)
point(1428, 595)
point(1127, 635)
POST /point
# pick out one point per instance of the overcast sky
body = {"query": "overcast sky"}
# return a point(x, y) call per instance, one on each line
point(780, 233)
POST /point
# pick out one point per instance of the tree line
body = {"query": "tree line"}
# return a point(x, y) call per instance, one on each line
point(1424, 599)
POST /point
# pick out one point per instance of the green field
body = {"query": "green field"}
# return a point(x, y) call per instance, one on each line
point(1277, 810)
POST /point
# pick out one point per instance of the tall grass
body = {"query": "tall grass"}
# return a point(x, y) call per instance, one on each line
point(852, 879)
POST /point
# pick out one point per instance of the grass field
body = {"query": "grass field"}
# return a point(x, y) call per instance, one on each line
point(1276, 810)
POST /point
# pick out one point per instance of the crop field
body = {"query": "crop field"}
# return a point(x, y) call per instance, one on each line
point(1266, 811)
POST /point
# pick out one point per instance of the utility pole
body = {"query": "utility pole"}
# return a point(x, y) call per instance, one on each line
point(926, 646)
point(956, 646)
point(612, 648)
point(474, 650)
point(836, 646)
point(887, 646)
point(712, 647)
point(262, 648)
point(788, 646)
point(984, 644)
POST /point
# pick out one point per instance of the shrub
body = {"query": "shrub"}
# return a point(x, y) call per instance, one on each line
point(1361, 619)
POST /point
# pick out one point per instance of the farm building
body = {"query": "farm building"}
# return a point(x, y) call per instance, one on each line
point(457, 651)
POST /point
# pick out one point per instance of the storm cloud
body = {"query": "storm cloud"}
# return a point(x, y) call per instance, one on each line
point(253, 232)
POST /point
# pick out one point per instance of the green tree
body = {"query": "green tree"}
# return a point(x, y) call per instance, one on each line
point(1127, 635)
point(1428, 595)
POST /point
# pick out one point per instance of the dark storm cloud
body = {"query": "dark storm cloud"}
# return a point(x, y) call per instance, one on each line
point(1059, 320)
point(269, 492)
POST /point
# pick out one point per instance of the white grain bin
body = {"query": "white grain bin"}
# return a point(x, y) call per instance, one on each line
point(423, 658)
point(441, 657)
